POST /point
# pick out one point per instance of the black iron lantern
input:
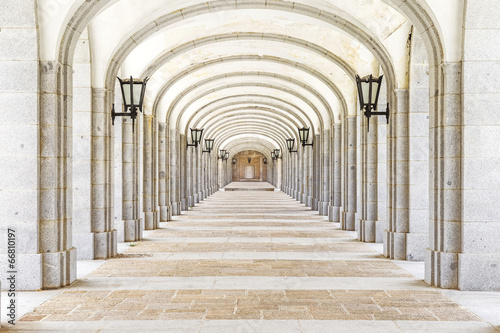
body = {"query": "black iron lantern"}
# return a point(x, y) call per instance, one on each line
point(222, 154)
point(234, 161)
point(195, 137)
point(264, 160)
point(133, 97)
point(227, 156)
point(304, 136)
point(368, 93)
point(277, 153)
point(273, 155)
point(209, 145)
point(290, 143)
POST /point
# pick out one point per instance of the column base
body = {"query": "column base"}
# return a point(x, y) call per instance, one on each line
point(303, 198)
point(165, 213)
point(195, 200)
point(105, 244)
point(204, 194)
point(200, 197)
point(133, 230)
point(184, 204)
point(149, 221)
point(59, 269)
point(348, 221)
point(190, 202)
point(370, 231)
point(405, 246)
point(323, 208)
point(176, 208)
point(314, 204)
point(441, 269)
point(309, 201)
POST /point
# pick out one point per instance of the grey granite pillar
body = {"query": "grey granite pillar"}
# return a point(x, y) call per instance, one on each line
point(58, 256)
point(147, 180)
point(325, 179)
point(163, 183)
point(316, 172)
point(183, 172)
point(398, 225)
point(335, 208)
point(348, 215)
point(175, 194)
point(442, 257)
point(130, 182)
point(367, 229)
point(189, 177)
point(199, 175)
point(105, 237)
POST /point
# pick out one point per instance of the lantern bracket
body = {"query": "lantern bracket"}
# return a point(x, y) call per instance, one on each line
point(132, 114)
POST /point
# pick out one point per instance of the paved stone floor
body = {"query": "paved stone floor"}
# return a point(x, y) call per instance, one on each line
point(253, 261)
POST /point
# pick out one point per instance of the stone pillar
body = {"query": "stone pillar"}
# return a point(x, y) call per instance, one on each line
point(58, 264)
point(183, 173)
point(316, 172)
point(442, 256)
point(175, 194)
point(189, 177)
point(163, 184)
point(367, 230)
point(105, 237)
point(325, 179)
point(147, 180)
point(297, 193)
point(130, 212)
point(398, 221)
point(334, 209)
point(348, 215)
point(199, 175)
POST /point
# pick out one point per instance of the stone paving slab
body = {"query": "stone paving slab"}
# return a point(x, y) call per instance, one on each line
point(209, 304)
point(133, 267)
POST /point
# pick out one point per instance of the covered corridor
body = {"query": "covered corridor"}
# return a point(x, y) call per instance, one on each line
point(236, 148)
point(253, 260)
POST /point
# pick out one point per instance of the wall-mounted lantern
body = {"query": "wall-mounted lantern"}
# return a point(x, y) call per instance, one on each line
point(304, 136)
point(368, 92)
point(290, 143)
point(227, 156)
point(234, 161)
point(222, 154)
point(273, 155)
point(209, 145)
point(132, 96)
point(196, 135)
point(277, 154)
point(264, 160)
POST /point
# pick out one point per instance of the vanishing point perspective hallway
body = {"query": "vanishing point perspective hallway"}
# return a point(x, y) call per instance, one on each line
point(251, 259)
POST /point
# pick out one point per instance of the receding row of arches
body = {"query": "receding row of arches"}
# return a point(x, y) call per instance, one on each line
point(251, 73)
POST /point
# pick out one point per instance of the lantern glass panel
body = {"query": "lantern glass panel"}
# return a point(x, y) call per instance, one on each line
point(136, 90)
point(227, 155)
point(304, 134)
point(365, 87)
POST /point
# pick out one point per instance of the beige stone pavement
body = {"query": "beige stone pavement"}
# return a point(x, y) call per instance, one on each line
point(254, 261)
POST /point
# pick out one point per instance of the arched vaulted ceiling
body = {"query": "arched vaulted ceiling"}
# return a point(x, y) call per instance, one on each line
point(248, 71)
